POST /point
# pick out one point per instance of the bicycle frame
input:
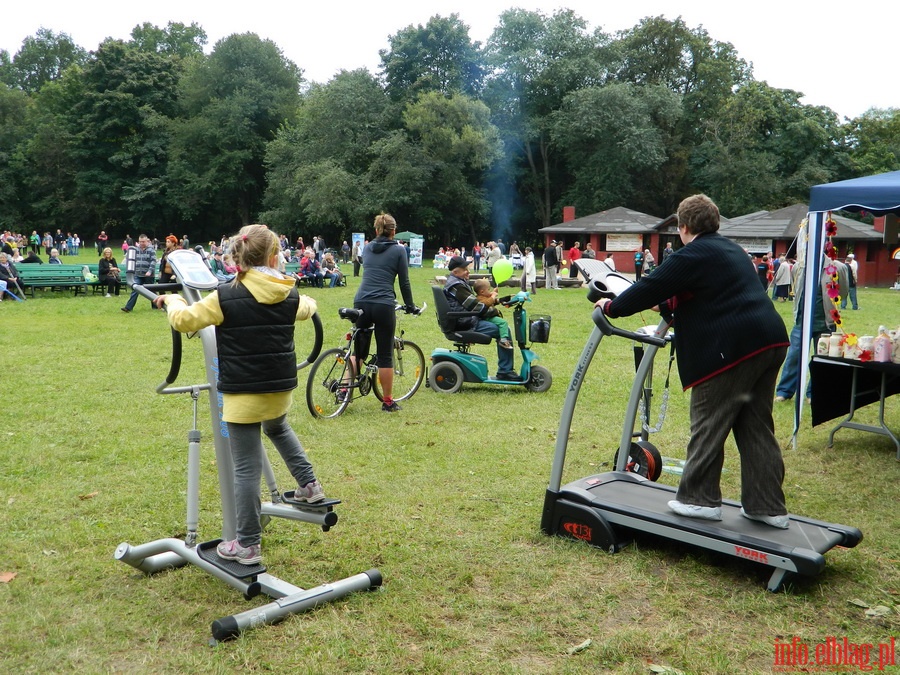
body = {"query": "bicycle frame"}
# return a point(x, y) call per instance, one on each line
point(337, 378)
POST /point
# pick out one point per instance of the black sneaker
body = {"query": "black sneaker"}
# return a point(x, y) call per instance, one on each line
point(509, 377)
point(125, 309)
point(390, 407)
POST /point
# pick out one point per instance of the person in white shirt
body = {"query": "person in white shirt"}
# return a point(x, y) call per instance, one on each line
point(853, 267)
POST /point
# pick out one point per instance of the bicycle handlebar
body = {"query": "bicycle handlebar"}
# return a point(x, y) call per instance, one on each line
point(411, 309)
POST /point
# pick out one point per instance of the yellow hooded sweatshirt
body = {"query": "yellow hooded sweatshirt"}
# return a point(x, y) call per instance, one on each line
point(266, 289)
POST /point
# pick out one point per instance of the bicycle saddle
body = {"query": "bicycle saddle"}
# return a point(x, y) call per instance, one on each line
point(350, 313)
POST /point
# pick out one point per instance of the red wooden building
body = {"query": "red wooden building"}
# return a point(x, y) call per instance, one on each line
point(619, 232)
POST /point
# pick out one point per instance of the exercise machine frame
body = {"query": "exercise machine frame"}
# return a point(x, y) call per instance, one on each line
point(604, 509)
point(194, 276)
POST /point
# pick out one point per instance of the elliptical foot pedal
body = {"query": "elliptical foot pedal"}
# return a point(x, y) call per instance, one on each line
point(324, 505)
point(207, 551)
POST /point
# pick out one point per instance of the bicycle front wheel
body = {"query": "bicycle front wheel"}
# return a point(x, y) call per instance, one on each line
point(409, 371)
point(328, 392)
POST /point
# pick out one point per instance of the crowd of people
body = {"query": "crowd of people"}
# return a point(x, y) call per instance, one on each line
point(20, 247)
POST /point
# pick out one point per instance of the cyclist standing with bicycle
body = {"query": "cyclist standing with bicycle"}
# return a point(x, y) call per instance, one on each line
point(383, 262)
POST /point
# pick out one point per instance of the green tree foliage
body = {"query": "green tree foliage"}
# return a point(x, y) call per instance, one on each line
point(14, 110)
point(875, 137)
point(688, 62)
point(42, 59)
point(232, 105)
point(456, 135)
point(766, 149)
point(317, 165)
point(458, 142)
point(613, 138)
point(175, 39)
point(47, 157)
point(436, 57)
point(120, 127)
point(535, 61)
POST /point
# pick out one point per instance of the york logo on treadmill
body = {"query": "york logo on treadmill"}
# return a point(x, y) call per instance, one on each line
point(578, 530)
point(750, 554)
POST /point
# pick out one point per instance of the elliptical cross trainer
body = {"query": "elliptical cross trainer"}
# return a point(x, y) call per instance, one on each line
point(194, 275)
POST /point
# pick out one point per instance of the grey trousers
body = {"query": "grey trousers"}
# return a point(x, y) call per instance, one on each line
point(247, 455)
point(550, 276)
point(738, 400)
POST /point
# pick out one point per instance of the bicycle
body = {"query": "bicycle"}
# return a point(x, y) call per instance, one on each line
point(333, 382)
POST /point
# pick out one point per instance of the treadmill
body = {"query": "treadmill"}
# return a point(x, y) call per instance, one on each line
point(604, 510)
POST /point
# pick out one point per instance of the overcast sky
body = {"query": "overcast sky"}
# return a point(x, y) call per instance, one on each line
point(841, 56)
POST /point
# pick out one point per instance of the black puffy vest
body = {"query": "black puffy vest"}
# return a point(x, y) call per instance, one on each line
point(256, 343)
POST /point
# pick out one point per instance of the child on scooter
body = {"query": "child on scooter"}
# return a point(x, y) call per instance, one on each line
point(488, 296)
point(255, 316)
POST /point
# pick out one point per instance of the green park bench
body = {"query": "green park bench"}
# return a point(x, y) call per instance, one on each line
point(56, 277)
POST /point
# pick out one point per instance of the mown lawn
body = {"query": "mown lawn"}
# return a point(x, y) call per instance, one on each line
point(444, 498)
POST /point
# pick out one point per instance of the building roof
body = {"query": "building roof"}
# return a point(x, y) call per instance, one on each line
point(775, 225)
point(785, 224)
point(617, 220)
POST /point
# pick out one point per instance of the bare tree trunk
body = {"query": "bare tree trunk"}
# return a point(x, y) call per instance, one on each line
point(545, 157)
point(540, 179)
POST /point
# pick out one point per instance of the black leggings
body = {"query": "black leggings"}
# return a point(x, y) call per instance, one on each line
point(384, 320)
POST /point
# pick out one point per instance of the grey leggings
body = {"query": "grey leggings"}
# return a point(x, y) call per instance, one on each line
point(247, 456)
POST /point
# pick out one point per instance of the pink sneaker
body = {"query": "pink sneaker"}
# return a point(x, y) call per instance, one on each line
point(232, 550)
point(310, 493)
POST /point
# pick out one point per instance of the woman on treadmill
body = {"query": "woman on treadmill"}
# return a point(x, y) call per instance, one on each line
point(730, 343)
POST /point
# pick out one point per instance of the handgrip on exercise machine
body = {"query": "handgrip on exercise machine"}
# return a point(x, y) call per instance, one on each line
point(607, 328)
point(317, 342)
point(151, 291)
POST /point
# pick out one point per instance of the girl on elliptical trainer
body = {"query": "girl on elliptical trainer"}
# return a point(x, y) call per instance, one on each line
point(730, 343)
point(254, 316)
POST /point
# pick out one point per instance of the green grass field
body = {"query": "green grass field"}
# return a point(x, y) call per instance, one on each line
point(444, 498)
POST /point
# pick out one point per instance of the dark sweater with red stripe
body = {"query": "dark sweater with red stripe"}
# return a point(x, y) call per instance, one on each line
point(722, 314)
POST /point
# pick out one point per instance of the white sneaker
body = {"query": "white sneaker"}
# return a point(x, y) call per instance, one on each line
point(107, 296)
point(781, 522)
point(310, 493)
point(694, 511)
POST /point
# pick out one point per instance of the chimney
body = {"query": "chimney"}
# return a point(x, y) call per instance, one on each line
point(568, 213)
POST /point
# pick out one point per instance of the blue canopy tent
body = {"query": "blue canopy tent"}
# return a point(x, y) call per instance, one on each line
point(879, 195)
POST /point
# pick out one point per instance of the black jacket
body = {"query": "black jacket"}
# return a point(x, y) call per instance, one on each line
point(722, 314)
point(550, 257)
point(256, 343)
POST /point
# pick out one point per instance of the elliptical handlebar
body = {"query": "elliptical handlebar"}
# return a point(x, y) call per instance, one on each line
point(150, 291)
point(607, 328)
point(317, 343)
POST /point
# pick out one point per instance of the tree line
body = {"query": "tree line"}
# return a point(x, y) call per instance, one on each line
point(461, 141)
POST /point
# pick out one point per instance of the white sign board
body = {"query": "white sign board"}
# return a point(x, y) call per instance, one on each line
point(416, 245)
point(624, 242)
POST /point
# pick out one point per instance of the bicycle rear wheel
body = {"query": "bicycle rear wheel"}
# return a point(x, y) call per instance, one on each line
point(328, 392)
point(409, 371)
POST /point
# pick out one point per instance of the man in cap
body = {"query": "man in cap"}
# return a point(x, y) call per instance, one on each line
point(462, 297)
point(551, 266)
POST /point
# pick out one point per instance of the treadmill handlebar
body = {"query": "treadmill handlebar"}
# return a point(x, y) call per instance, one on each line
point(607, 328)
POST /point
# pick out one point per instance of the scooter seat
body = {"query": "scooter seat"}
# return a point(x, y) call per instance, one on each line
point(468, 337)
